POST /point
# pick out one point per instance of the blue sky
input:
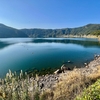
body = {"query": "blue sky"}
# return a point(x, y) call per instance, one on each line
point(49, 13)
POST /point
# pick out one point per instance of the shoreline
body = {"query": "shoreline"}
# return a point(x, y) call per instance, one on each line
point(81, 36)
point(52, 82)
point(55, 78)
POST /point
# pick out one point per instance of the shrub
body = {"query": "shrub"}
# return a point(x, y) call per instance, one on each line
point(91, 93)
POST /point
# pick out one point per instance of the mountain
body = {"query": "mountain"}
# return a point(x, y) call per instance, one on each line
point(84, 30)
point(6, 32)
point(89, 29)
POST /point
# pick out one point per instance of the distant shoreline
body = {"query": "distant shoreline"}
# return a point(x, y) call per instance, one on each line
point(82, 36)
point(63, 36)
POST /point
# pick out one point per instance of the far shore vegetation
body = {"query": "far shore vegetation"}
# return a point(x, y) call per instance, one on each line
point(87, 30)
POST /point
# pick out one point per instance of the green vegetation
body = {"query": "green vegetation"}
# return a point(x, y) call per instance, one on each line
point(72, 86)
point(23, 87)
point(6, 31)
point(97, 33)
point(91, 93)
point(14, 87)
point(84, 30)
point(41, 72)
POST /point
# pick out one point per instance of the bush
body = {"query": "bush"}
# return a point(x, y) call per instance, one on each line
point(91, 93)
point(97, 32)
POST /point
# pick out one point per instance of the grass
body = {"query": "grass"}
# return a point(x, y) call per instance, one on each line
point(91, 93)
point(73, 85)
point(69, 87)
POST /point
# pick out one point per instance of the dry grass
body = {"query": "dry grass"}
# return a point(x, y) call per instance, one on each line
point(69, 88)
point(72, 85)
point(95, 76)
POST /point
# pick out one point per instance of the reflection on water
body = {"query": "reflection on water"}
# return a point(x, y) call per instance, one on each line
point(80, 41)
point(28, 53)
point(3, 44)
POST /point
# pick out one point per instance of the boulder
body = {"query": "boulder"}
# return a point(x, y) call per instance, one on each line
point(85, 64)
point(58, 71)
point(96, 56)
point(63, 68)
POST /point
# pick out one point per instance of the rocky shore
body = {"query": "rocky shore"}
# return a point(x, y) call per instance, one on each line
point(49, 81)
point(13, 85)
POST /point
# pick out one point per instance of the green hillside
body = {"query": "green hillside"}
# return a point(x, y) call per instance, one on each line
point(90, 29)
point(6, 32)
point(97, 32)
point(84, 30)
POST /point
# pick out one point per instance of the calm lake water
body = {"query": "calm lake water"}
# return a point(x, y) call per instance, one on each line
point(28, 53)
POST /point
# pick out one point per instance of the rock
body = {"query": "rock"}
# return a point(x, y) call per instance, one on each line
point(58, 71)
point(63, 68)
point(56, 78)
point(69, 61)
point(68, 68)
point(96, 57)
point(41, 85)
point(85, 64)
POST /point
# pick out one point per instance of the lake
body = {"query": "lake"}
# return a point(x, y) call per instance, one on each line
point(30, 53)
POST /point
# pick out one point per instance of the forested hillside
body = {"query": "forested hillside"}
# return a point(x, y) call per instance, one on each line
point(90, 29)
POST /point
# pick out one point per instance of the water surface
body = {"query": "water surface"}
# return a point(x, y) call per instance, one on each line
point(28, 53)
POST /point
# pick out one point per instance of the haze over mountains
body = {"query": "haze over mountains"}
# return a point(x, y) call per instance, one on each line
point(7, 32)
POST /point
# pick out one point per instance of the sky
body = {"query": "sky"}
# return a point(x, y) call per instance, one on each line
point(49, 14)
